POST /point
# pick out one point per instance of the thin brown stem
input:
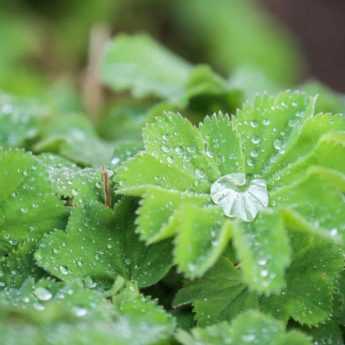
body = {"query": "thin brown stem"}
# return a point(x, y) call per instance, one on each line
point(106, 188)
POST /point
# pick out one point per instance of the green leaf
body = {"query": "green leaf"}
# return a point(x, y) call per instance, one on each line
point(318, 197)
point(329, 333)
point(202, 236)
point(137, 307)
point(339, 299)
point(249, 81)
point(327, 153)
point(176, 142)
point(47, 301)
point(236, 33)
point(19, 121)
point(206, 92)
point(73, 137)
point(222, 143)
point(156, 214)
point(142, 172)
point(220, 295)
point(264, 252)
point(308, 139)
point(269, 125)
point(311, 279)
point(28, 206)
point(139, 64)
point(75, 185)
point(250, 327)
point(48, 312)
point(327, 100)
point(100, 243)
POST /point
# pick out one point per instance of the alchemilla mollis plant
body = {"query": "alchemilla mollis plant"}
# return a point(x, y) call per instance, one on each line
point(201, 211)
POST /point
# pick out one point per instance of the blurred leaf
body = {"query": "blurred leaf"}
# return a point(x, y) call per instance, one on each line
point(237, 33)
point(100, 243)
point(139, 64)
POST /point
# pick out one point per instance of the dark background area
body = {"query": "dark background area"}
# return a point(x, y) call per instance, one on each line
point(319, 26)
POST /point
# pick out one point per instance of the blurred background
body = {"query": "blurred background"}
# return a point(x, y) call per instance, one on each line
point(57, 43)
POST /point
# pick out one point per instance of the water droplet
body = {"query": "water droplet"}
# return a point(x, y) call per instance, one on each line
point(333, 232)
point(43, 294)
point(80, 312)
point(266, 122)
point(115, 161)
point(254, 153)
point(165, 149)
point(278, 145)
point(239, 198)
point(255, 140)
point(63, 270)
point(264, 273)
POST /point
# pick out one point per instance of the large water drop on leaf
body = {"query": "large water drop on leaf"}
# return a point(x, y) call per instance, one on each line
point(238, 197)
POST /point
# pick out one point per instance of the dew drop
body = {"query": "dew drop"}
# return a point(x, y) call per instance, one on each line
point(266, 122)
point(255, 140)
point(238, 197)
point(115, 161)
point(80, 312)
point(63, 270)
point(43, 294)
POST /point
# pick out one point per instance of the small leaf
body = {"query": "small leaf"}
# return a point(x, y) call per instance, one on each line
point(269, 125)
point(28, 210)
point(327, 99)
point(202, 237)
point(137, 307)
point(264, 252)
point(220, 295)
point(311, 280)
point(175, 141)
point(73, 137)
point(19, 121)
point(77, 185)
point(250, 327)
point(155, 215)
point(223, 144)
point(328, 153)
point(329, 333)
point(100, 243)
point(318, 197)
point(308, 139)
point(142, 172)
point(140, 64)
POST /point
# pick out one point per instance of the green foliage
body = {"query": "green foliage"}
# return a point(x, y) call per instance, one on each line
point(185, 160)
point(249, 328)
point(75, 314)
point(237, 34)
point(28, 210)
point(178, 82)
point(100, 243)
point(190, 208)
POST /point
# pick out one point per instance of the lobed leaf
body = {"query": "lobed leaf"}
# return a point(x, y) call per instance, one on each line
point(222, 142)
point(176, 142)
point(202, 236)
point(263, 251)
point(250, 327)
point(268, 126)
point(155, 220)
point(139, 64)
point(219, 295)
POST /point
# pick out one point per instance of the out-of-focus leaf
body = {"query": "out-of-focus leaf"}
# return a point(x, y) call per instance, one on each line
point(101, 243)
point(141, 65)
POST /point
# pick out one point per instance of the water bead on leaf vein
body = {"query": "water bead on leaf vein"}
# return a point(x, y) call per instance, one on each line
point(240, 197)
